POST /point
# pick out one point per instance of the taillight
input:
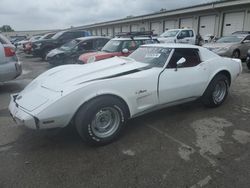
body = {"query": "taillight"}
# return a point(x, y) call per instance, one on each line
point(9, 52)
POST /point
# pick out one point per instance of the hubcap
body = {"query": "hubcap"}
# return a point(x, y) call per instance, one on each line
point(219, 92)
point(105, 122)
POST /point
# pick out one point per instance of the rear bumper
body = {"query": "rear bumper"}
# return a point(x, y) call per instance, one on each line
point(10, 71)
point(21, 117)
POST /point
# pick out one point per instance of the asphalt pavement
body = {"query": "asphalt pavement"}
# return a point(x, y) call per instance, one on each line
point(187, 146)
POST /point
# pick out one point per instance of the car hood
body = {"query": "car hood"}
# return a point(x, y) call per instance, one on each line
point(67, 76)
point(98, 56)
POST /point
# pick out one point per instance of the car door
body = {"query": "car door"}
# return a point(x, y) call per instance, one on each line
point(185, 82)
point(186, 36)
point(66, 37)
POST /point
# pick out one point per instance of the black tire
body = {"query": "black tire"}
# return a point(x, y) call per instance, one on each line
point(209, 97)
point(84, 119)
point(236, 54)
point(248, 65)
point(45, 53)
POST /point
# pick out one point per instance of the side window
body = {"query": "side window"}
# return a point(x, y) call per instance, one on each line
point(184, 34)
point(100, 43)
point(80, 34)
point(67, 36)
point(191, 33)
point(86, 45)
point(191, 55)
point(247, 38)
point(130, 45)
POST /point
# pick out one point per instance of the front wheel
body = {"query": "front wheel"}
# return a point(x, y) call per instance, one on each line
point(236, 54)
point(101, 120)
point(216, 91)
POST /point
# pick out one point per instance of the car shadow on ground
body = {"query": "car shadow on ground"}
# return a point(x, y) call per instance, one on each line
point(11, 87)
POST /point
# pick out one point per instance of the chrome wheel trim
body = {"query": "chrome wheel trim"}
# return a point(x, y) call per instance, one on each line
point(219, 92)
point(105, 122)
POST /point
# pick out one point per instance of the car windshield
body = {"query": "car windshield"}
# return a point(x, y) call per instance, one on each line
point(34, 38)
point(47, 36)
point(229, 39)
point(68, 46)
point(57, 35)
point(112, 46)
point(170, 33)
point(155, 56)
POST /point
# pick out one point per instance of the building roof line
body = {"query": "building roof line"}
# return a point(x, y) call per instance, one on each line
point(206, 6)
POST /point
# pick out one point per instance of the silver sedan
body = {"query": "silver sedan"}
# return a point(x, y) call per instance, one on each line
point(235, 46)
point(10, 67)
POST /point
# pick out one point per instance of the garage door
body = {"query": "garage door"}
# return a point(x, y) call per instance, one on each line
point(207, 25)
point(233, 22)
point(94, 32)
point(170, 24)
point(117, 30)
point(104, 31)
point(186, 23)
point(125, 28)
point(99, 32)
point(110, 32)
point(157, 27)
point(135, 27)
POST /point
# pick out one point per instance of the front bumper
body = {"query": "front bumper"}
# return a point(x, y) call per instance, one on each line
point(21, 117)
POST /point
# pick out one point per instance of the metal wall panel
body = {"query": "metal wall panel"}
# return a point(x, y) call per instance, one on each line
point(233, 22)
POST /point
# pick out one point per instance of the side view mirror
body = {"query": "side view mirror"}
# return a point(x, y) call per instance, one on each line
point(180, 63)
point(125, 51)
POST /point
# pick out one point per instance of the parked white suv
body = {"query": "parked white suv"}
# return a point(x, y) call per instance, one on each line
point(187, 36)
point(10, 67)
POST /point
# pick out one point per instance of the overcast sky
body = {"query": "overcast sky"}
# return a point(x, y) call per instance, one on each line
point(59, 14)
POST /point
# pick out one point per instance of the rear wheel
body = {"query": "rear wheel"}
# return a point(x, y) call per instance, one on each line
point(216, 91)
point(101, 120)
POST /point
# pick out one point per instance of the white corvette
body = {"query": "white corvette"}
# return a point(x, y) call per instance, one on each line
point(99, 97)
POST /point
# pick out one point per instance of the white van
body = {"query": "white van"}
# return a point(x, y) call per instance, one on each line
point(187, 36)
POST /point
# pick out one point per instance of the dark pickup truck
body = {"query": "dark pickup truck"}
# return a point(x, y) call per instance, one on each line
point(42, 47)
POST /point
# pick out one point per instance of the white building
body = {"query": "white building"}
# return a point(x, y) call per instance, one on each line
point(219, 18)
